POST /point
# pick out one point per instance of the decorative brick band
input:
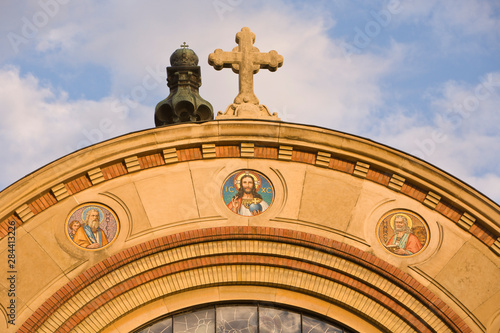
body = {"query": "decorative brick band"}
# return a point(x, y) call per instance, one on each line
point(4, 226)
point(232, 151)
point(115, 170)
point(288, 153)
point(42, 203)
point(151, 161)
point(304, 262)
point(378, 176)
point(281, 265)
point(79, 184)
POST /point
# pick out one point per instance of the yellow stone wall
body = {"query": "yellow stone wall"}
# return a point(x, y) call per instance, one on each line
point(326, 184)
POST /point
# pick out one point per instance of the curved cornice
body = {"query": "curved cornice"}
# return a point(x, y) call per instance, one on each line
point(357, 156)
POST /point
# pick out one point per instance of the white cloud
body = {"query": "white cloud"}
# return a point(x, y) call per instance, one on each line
point(456, 26)
point(316, 85)
point(463, 137)
point(40, 125)
point(313, 62)
point(58, 38)
point(488, 184)
point(134, 49)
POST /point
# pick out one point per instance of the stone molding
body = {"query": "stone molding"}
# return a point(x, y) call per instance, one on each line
point(179, 144)
point(280, 259)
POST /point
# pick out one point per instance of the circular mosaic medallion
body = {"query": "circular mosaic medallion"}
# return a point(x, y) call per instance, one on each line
point(403, 233)
point(247, 193)
point(92, 226)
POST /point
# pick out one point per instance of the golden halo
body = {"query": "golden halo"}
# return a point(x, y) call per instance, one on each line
point(255, 177)
point(101, 214)
point(410, 222)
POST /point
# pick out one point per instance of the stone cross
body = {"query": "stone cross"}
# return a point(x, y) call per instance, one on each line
point(245, 60)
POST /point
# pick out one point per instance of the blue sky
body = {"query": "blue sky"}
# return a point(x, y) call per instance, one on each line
point(420, 76)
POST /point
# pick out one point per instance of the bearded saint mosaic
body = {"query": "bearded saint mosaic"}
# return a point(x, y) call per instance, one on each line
point(247, 193)
point(403, 233)
point(92, 226)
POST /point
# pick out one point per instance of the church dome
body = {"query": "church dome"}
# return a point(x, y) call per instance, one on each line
point(184, 57)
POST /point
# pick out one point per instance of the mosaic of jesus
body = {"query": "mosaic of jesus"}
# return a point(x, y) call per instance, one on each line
point(247, 193)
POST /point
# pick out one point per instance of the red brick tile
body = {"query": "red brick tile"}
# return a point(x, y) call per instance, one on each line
point(414, 191)
point(483, 234)
point(341, 165)
point(266, 152)
point(448, 210)
point(150, 161)
point(227, 151)
point(114, 170)
point(302, 156)
point(378, 176)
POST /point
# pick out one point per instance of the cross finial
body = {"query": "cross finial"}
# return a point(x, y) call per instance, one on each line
point(246, 60)
point(184, 45)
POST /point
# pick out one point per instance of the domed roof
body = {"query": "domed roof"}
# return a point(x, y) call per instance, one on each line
point(184, 57)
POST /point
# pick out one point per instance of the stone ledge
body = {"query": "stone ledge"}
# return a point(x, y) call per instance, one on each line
point(60, 192)
point(323, 159)
point(361, 169)
point(96, 176)
point(466, 221)
point(247, 149)
point(396, 183)
point(285, 153)
point(24, 212)
point(208, 150)
point(170, 155)
point(132, 164)
point(432, 199)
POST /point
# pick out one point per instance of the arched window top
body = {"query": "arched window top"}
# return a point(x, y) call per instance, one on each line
point(243, 318)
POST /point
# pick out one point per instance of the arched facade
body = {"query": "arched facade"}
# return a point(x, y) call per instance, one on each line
point(323, 239)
